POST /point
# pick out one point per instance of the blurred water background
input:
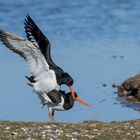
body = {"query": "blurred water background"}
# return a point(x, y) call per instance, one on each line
point(96, 41)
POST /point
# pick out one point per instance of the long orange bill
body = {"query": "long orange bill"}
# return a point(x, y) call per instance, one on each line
point(72, 92)
point(82, 102)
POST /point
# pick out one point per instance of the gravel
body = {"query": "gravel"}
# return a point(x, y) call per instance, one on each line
point(87, 130)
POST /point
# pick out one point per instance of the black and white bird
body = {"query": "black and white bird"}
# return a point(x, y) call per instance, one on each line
point(35, 35)
point(46, 77)
point(61, 101)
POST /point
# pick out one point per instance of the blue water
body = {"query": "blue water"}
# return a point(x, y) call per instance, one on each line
point(96, 41)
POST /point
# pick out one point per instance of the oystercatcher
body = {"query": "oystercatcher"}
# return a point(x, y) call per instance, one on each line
point(60, 101)
point(35, 35)
point(43, 78)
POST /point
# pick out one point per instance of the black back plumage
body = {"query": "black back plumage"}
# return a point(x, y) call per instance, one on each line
point(55, 97)
point(35, 35)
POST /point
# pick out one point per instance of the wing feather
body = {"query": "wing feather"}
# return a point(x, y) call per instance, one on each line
point(35, 35)
point(27, 50)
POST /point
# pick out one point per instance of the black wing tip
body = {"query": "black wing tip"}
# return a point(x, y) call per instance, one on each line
point(28, 19)
point(29, 24)
point(28, 16)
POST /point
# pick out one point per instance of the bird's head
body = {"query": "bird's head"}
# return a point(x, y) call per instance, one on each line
point(79, 100)
point(68, 80)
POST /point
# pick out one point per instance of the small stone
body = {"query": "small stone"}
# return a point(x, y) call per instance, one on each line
point(75, 133)
point(138, 133)
point(49, 130)
point(24, 129)
point(7, 128)
point(54, 126)
point(95, 130)
point(48, 127)
point(57, 130)
point(30, 138)
point(131, 128)
point(98, 134)
point(69, 136)
point(44, 132)
point(13, 133)
point(43, 136)
point(74, 139)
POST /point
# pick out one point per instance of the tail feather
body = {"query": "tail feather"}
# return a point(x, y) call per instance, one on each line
point(31, 79)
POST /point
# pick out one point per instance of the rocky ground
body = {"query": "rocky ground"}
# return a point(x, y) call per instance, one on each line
point(130, 89)
point(129, 130)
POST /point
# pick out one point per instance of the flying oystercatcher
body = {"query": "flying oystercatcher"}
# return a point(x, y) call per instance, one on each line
point(46, 77)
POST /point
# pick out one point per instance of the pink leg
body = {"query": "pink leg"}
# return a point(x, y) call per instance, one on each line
point(51, 116)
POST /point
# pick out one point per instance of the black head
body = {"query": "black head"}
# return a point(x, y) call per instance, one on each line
point(71, 97)
point(66, 79)
point(72, 100)
point(69, 101)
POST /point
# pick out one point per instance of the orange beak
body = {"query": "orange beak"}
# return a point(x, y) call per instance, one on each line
point(77, 99)
point(82, 102)
point(72, 92)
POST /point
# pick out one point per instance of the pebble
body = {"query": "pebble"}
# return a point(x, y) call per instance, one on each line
point(98, 134)
point(74, 139)
point(7, 128)
point(57, 130)
point(69, 136)
point(138, 133)
point(49, 130)
point(30, 138)
point(43, 136)
point(13, 133)
point(24, 129)
point(54, 126)
point(95, 130)
point(75, 133)
point(48, 127)
point(131, 127)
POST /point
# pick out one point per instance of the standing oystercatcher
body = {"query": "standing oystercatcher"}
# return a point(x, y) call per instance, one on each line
point(35, 35)
point(60, 101)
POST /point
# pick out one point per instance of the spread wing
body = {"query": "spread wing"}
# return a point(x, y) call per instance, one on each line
point(27, 50)
point(35, 35)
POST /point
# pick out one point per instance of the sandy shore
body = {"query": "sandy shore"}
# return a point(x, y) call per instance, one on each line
point(128, 130)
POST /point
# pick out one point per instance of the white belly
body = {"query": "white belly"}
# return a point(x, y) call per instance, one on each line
point(45, 86)
point(45, 82)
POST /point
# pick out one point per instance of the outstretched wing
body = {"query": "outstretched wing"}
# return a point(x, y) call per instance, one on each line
point(35, 35)
point(27, 50)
